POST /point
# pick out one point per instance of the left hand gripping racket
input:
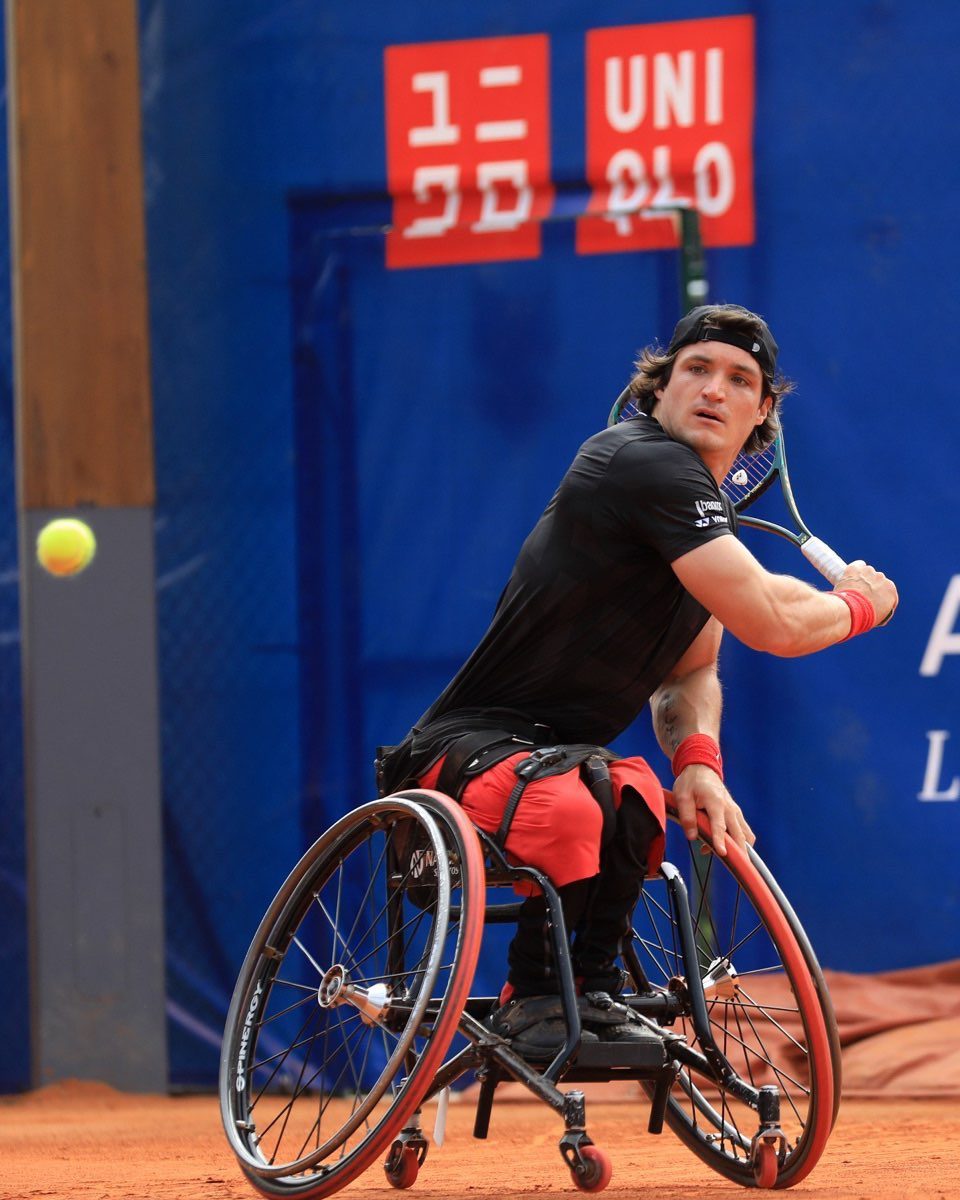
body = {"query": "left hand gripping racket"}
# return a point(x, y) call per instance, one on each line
point(749, 477)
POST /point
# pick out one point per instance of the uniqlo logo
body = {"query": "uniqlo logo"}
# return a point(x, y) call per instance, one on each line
point(669, 123)
point(468, 161)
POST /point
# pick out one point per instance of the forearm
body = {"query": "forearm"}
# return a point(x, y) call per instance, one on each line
point(789, 618)
point(774, 613)
point(691, 703)
point(777, 613)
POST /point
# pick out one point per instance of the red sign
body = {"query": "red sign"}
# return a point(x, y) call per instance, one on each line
point(468, 149)
point(669, 122)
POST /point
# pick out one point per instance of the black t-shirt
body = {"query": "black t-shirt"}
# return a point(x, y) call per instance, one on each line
point(593, 618)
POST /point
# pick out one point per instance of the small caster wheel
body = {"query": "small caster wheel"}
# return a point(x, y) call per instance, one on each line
point(593, 1172)
point(766, 1165)
point(401, 1170)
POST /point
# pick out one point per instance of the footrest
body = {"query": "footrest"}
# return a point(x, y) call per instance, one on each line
point(648, 1054)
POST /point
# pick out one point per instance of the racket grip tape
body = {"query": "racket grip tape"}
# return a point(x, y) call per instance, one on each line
point(827, 561)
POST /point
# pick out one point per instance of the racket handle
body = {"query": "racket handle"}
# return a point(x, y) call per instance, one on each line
point(827, 561)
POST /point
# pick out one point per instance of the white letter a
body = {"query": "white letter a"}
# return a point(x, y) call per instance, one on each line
point(943, 640)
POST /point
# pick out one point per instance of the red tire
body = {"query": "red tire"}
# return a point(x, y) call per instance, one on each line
point(769, 1010)
point(373, 914)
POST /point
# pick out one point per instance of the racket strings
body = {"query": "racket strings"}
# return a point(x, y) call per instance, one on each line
point(749, 473)
point(627, 410)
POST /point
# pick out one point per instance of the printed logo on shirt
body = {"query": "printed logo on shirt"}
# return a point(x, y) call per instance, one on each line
point(711, 514)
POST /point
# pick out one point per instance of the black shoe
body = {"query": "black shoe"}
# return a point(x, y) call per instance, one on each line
point(534, 1026)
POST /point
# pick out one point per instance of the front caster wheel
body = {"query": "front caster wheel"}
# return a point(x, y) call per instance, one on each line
point(766, 1165)
point(401, 1171)
point(592, 1173)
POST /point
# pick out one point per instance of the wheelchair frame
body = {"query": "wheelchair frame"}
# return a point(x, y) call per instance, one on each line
point(382, 993)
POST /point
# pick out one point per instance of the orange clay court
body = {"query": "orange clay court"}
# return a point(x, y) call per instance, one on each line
point(897, 1135)
point(86, 1141)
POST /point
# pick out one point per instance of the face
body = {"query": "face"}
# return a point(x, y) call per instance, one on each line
point(713, 402)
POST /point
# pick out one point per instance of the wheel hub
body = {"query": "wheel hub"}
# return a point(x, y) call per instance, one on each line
point(721, 980)
point(336, 988)
point(330, 992)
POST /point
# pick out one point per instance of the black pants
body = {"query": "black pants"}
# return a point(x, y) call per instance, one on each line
point(597, 911)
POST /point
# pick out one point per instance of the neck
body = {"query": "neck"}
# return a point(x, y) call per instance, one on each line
point(719, 468)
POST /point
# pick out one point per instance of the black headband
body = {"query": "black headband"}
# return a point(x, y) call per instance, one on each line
point(697, 326)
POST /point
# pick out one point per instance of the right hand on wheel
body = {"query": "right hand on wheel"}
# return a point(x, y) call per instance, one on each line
point(699, 789)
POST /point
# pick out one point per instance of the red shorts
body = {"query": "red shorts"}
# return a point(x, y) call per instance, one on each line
point(558, 823)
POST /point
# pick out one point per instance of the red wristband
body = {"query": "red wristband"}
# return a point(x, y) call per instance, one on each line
point(862, 616)
point(698, 748)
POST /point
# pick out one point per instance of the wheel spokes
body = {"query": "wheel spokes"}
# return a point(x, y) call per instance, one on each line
point(340, 1051)
point(754, 1017)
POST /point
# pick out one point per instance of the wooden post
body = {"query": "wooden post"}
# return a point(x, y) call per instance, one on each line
point(85, 449)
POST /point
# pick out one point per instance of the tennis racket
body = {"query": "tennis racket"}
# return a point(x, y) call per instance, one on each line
point(749, 477)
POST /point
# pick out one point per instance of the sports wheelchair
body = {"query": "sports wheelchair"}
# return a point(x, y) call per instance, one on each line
point(353, 1008)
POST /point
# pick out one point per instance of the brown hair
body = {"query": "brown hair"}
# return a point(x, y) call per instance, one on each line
point(655, 366)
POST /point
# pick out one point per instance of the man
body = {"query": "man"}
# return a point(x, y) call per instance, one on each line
point(619, 597)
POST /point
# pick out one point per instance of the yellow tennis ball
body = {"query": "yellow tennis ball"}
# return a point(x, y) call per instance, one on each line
point(65, 546)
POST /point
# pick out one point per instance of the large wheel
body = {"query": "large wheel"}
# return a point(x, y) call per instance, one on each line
point(769, 1012)
point(351, 993)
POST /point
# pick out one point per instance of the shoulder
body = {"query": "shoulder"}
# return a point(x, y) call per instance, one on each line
point(642, 455)
point(661, 489)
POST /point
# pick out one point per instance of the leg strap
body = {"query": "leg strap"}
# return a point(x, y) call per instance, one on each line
point(557, 760)
point(595, 773)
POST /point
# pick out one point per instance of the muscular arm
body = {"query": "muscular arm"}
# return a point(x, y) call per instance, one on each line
point(775, 613)
point(689, 701)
